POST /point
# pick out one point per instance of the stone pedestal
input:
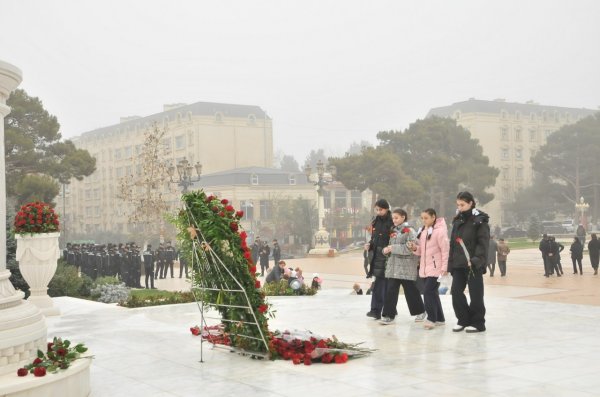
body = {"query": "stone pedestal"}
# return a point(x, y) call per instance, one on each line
point(322, 247)
point(37, 255)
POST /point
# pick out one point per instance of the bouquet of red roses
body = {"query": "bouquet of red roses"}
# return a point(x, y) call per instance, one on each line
point(36, 218)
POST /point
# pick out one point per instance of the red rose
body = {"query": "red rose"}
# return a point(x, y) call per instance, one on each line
point(296, 361)
point(263, 308)
point(243, 235)
point(459, 240)
point(37, 361)
point(221, 214)
point(39, 221)
point(405, 230)
point(338, 359)
point(215, 209)
point(61, 352)
point(224, 201)
point(22, 372)
point(195, 331)
point(252, 269)
point(247, 255)
point(210, 198)
point(229, 208)
point(326, 358)
point(322, 344)
point(307, 361)
point(39, 371)
point(257, 284)
point(239, 214)
point(233, 226)
point(50, 344)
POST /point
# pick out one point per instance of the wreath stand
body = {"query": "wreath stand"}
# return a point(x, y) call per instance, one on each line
point(206, 262)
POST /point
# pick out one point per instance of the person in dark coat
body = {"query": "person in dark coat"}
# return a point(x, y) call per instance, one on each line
point(491, 259)
point(594, 251)
point(263, 256)
point(381, 227)
point(577, 255)
point(580, 233)
point(277, 273)
point(149, 266)
point(554, 249)
point(276, 253)
point(254, 251)
point(470, 232)
point(544, 250)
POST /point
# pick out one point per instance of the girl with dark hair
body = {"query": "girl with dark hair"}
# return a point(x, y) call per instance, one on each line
point(467, 258)
point(432, 247)
point(594, 251)
point(577, 255)
point(380, 238)
point(401, 269)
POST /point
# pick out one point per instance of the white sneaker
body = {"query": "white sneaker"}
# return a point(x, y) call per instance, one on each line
point(428, 325)
point(439, 323)
point(420, 317)
point(458, 328)
point(386, 321)
point(472, 330)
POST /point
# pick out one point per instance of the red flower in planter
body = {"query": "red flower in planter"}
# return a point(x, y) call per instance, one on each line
point(263, 308)
point(233, 226)
point(229, 208)
point(224, 201)
point(239, 214)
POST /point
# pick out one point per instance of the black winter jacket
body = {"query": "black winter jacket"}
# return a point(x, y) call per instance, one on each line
point(473, 228)
point(380, 237)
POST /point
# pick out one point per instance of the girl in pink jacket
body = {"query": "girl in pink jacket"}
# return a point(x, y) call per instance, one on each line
point(433, 247)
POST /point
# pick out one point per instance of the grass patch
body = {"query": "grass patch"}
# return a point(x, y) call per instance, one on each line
point(522, 243)
point(153, 297)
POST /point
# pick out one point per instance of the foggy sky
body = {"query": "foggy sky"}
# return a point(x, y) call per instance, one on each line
point(327, 72)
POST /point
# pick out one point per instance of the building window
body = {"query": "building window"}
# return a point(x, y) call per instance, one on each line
point(119, 172)
point(254, 179)
point(556, 117)
point(506, 193)
point(248, 208)
point(544, 116)
point(355, 199)
point(532, 116)
point(519, 173)
point(292, 179)
point(252, 119)
point(518, 134)
point(532, 135)
point(504, 133)
point(265, 209)
point(326, 200)
point(117, 154)
point(503, 114)
point(519, 154)
point(127, 152)
point(340, 199)
point(218, 117)
point(505, 173)
point(179, 142)
point(88, 211)
point(189, 116)
point(505, 154)
point(88, 194)
point(167, 144)
point(128, 170)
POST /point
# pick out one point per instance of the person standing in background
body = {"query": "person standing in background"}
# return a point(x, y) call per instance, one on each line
point(491, 259)
point(503, 250)
point(594, 251)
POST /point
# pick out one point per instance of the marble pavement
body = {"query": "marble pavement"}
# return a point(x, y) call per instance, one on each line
point(531, 348)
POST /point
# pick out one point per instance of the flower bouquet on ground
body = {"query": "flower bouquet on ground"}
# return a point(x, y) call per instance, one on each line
point(36, 218)
point(60, 355)
point(297, 346)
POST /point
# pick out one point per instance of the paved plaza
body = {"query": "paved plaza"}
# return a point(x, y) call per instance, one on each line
point(532, 346)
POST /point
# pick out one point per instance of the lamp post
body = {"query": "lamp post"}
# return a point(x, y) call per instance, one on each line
point(582, 206)
point(185, 172)
point(320, 178)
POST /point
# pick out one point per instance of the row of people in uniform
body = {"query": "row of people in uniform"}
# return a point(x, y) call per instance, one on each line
point(124, 261)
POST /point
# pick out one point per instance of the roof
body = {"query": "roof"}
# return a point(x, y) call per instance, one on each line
point(483, 106)
point(196, 109)
point(243, 176)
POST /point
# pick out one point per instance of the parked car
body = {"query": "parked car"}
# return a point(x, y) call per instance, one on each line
point(550, 227)
point(568, 225)
point(514, 232)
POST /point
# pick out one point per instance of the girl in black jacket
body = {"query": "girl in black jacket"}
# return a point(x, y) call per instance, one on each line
point(470, 233)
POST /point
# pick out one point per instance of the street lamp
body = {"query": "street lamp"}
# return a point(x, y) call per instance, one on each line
point(582, 206)
point(185, 172)
point(323, 176)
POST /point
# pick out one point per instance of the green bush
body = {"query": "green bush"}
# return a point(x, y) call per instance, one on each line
point(95, 292)
point(86, 286)
point(282, 288)
point(143, 298)
point(66, 281)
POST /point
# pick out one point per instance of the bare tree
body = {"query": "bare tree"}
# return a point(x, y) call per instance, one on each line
point(145, 191)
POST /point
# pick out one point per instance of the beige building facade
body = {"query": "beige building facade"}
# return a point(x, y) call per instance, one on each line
point(510, 134)
point(219, 136)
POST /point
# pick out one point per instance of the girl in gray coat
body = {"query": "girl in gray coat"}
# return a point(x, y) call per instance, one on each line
point(401, 269)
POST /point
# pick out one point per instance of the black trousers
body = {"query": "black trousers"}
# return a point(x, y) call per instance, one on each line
point(160, 265)
point(183, 265)
point(378, 294)
point(149, 275)
point(468, 314)
point(168, 265)
point(502, 266)
point(492, 268)
point(433, 305)
point(411, 294)
point(547, 265)
point(575, 263)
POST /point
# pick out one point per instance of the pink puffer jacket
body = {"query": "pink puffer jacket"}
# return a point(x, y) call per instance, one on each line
point(433, 250)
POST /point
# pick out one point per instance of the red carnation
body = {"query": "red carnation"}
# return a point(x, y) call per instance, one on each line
point(307, 361)
point(459, 240)
point(322, 344)
point(247, 255)
point(263, 308)
point(257, 284)
point(221, 214)
point(61, 352)
point(50, 344)
point(326, 358)
point(233, 226)
point(195, 331)
point(296, 361)
point(405, 230)
point(210, 198)
point(229, 208)
point(39, 371)
point(239, 214)
point(252, 269)
point(37, 361)
point(224, 201)
point(243, 235)
point(22, 372)
point(215, 209)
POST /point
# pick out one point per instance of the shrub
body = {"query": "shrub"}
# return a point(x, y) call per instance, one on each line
point(282, 288)
point(157, 298)
point(66, 281)
point(100, 281)
point(111, 293)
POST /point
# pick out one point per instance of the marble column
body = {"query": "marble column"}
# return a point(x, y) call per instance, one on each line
point(22, 325)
